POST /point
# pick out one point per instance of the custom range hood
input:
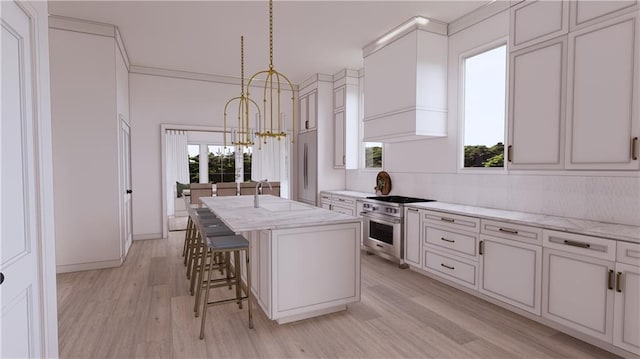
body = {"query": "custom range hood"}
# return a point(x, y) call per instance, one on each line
point(405, 83)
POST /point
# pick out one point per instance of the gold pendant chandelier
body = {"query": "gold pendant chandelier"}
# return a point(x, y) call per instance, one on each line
point(242, 136)
point(273, 123)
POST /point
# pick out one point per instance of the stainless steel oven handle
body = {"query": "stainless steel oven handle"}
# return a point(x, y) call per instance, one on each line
point(389, 221)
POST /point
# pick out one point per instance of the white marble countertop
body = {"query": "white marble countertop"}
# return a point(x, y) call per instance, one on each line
point(580, 226)
point(353, 194)
point(239, 214)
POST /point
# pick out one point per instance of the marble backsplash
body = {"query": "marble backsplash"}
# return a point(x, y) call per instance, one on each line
point(598, 198)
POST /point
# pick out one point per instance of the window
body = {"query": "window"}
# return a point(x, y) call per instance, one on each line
point(372, 155)
point(222, 164)
point(484, 107)
point(194, 163)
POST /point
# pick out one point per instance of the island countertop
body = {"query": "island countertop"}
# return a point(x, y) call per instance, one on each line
point(239, 214)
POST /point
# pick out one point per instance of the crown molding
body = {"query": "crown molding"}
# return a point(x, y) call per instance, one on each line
point(482, 13)
point(433, 26)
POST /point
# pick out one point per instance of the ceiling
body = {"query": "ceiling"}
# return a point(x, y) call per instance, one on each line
point(204, 36)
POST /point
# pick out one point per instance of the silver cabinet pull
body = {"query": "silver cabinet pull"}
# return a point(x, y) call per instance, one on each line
point(448, 267)
point(576, 244)
point(619, 282)
point(447, 219)
point(610, 279)
point(447, 240)
point(634, 148)
point(508, 230)
point(481, 248)
point(412, 209)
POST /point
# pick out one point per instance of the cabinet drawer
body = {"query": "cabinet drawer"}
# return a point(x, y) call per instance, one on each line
point(455, 221)
point(450, 268)
point(343, 210)
point(457, 242)
point(580, 244)
point(512, 231)
point(628, 253)
point(346, 201)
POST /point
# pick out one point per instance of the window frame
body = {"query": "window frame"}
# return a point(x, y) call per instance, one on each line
point(485, 47)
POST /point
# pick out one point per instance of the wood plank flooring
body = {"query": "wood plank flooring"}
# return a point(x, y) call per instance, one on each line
point(143, 309)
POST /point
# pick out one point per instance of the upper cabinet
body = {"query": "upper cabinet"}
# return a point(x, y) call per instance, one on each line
point(345, 119)
point(537, 21)
point(405, 87)
point(573, 93)
point(588, 12)
point(308, 110)
point(602, 116)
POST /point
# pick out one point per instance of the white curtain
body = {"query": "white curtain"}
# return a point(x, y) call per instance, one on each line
point(177, 156)
point(272, 163)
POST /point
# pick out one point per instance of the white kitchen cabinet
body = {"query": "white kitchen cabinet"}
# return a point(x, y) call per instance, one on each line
point(346, 120)
point(339, 145)
point(587, 12)
point(536, 21)
point(325, 200)
point(578, 292)
point(308, 110)
point(413, 237)
point(450, 247)
point(510, 271)
point(626, 319)
point(602, 115)
point(537, 105)
point(341, 204)
point(579, 282)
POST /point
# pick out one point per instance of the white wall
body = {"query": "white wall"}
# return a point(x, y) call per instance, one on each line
point(429, 168)
point(84, 136)
point(157, 100)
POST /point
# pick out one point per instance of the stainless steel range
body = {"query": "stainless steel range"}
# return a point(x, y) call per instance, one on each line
point(384, 226)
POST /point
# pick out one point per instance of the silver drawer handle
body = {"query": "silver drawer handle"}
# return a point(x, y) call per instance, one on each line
point(447, 219)
point(448, 267)
point(447, 240)
point(508, 230)
point(576, 244)
point(412, 209)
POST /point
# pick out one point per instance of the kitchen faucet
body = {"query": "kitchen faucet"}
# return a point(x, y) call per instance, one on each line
point(256, 203)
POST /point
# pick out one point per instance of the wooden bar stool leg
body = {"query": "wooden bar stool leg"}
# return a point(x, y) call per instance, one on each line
point(246, 251)
point(238, 281)
point(205, 304)
point(227, 264)
point(202, 270)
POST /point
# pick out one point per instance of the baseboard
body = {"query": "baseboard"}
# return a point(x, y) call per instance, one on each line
point(140, 237)
point(88, 266)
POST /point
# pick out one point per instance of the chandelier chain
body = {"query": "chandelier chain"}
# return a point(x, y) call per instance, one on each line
point(242, 65)
point(270, 34)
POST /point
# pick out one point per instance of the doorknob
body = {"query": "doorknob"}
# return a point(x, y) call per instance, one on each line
point(129, 191)
point(1, 278)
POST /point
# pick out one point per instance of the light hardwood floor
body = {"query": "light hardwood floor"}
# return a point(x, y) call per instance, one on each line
point(143, 309)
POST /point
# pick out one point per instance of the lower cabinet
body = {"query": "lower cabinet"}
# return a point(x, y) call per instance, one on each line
point(585, 283)
point(412, 237)
point(626, 317)
point(510, 271)
point(579, 292)
point(340, 204)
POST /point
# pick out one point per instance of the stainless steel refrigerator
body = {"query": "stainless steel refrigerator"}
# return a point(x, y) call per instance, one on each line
point(308, 167)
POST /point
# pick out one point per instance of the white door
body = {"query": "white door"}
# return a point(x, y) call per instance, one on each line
point(125, 187)
point(20, 290)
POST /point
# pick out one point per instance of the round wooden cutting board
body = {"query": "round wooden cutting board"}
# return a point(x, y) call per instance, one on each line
point(383, 183)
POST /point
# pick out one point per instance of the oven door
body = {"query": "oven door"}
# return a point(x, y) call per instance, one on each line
point(383, 235)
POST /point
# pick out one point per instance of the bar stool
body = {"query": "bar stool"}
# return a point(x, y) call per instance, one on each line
point(200, 253)
point(225, 244)
point(190, 241)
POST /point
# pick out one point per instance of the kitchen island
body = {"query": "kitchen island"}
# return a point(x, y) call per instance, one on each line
point(305, 260)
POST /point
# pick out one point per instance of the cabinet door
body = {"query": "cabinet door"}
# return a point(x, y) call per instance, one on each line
point(412, 237)
point(602, 114)
point(537, 106)
point(338, 139)
point(578, 292)
point(304, 112)
point(588, 12)
point(511, 272)
point(626, 331)
point(313, 109)
point(535, 21)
